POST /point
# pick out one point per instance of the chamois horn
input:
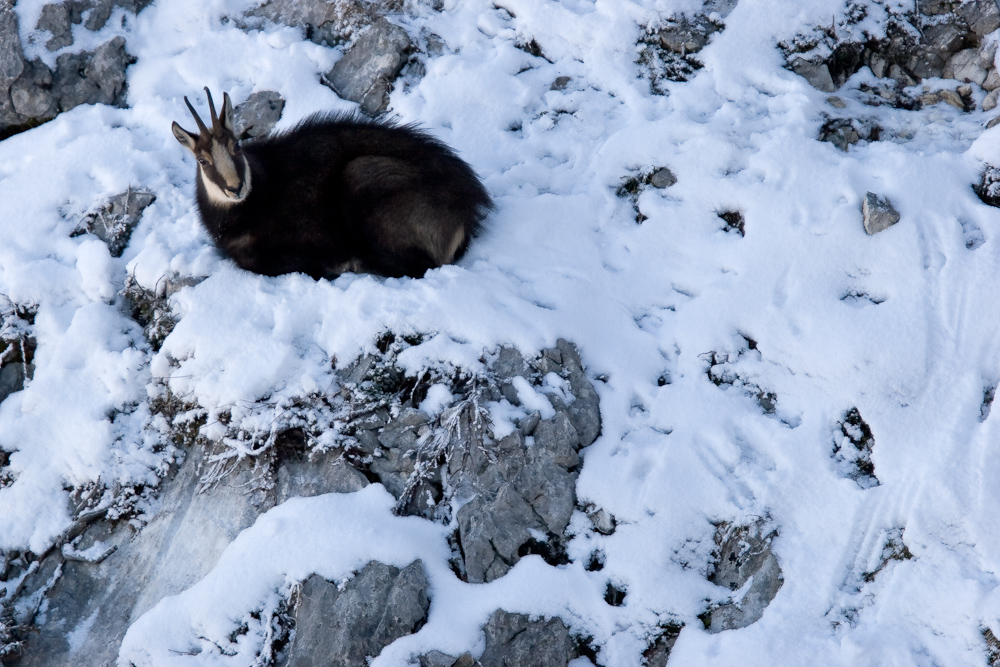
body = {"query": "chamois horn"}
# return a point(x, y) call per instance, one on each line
point(197, 118)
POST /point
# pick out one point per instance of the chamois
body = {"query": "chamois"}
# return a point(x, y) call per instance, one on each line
point(336, 193)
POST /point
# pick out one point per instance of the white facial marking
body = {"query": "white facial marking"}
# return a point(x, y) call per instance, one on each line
point(225, 167)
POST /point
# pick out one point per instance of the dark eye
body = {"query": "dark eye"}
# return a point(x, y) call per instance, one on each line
point(203, 162)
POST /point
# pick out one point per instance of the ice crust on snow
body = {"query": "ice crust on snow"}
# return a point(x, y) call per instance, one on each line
point(562, 257)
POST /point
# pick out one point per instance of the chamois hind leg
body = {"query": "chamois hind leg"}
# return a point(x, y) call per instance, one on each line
point(419, 235)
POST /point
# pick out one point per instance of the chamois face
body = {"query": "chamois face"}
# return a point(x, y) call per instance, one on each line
point(222, 169)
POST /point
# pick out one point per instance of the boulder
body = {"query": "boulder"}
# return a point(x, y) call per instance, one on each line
point(337, 627)
point(257, 115)
point(878, 213)
point(114, 222)
point(514, 640)
point(743, 553)
point(366, 71)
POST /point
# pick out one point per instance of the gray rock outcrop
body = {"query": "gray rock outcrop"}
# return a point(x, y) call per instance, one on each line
point(514, 640)
point(17, 346)
point(342, 628)
point(114, 222)
point(878, 213)
point(329, 23)
point(366, 71)
point(31, 92)
point(743, 553)
point(257, 115)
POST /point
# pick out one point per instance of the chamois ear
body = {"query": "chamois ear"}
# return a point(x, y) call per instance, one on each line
point(227, 114)
point(187, 139)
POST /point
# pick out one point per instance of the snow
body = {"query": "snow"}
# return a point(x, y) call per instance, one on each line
point(562, 257)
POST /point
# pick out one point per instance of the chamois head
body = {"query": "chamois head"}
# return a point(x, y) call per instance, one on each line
point(222, 169)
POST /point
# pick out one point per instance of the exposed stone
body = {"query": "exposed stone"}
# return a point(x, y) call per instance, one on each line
point(965, 66)
point(852, 449)
point(342, 628)
point(953, 98)
point(31, 94)
point(992, 81)
point(658, 652)
point(585, 410)
point(844, 132)
point(993, 122)
point(11, 53)
point(878, 213)
point(983, 16)
point(11, 379)
point(557, 440)
point(943, 38)
point(662, 178)
point(439, 659)
point(836, 102)
point(684, 37)
point(513, 640)
point(603, 522)
point(114, 222)
point(990, 101)
point(816, 73)
point(743, 552)
point(492, 531)
point(257, 115)
point(316, 475)
point(366, 71)
point(560, 83)
point(329, 23)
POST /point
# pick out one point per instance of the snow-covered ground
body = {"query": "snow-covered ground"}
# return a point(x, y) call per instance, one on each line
point(562, 257)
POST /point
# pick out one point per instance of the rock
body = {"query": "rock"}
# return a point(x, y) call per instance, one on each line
point(31, 94)
point(585, 411)
point(852, 449)
point(993, 122)
point(816, 73)
point(11, 379)
point(943, 39)
point(992, 81)
point(934, 7)
point(177, 548)
point(56, 19)
point(953, 98)
point(990, 101)
point(743, 552)
point(658, 652)
point(328, 23)
point(662, 178)
point(365, 73)
point(509, 364)
point(925, 64)
point(490, 533)
point(513, 640)
point(965, 66)
point(558, 440)
point(342, 628)
point(878, 213)
point(439, 659)
point(257, 115)
point(114, 222)
point(315, 476)
point(11, 53)
point(983, 16)
point(560, 83)
point(603, 522)
point(687, 35)
point(836, 102)
point(841, 132)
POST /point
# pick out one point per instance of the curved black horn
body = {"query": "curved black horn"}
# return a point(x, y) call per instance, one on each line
point(211, 109)
point(197, 118)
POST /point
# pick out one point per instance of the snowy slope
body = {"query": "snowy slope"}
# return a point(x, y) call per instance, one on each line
point(563, 257)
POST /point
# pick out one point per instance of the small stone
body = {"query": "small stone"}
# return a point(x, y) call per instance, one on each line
point(929, 99)
point(257, 115)
point(990, 101)
point(836, 102)
point(987, 54)
point(559, 440)
point(840, 132)
point(55, 19)
point(816, 73)
point(934, 7)
point(900, 76)
point(509, 364)
point(603, 522)
point(952, 98)
point(528, 424)
point(560, 83)
point(926, 64)
point(992, 81)
point(437, 659)
point(993, 123)
point(684, 37)
point(965, 66)
point(662, 178)
point(878, 65)
point(366, 70)
point(878, 213)
point(114, 222)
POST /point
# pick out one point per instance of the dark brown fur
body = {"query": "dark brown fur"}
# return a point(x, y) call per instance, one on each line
point(337, 193)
